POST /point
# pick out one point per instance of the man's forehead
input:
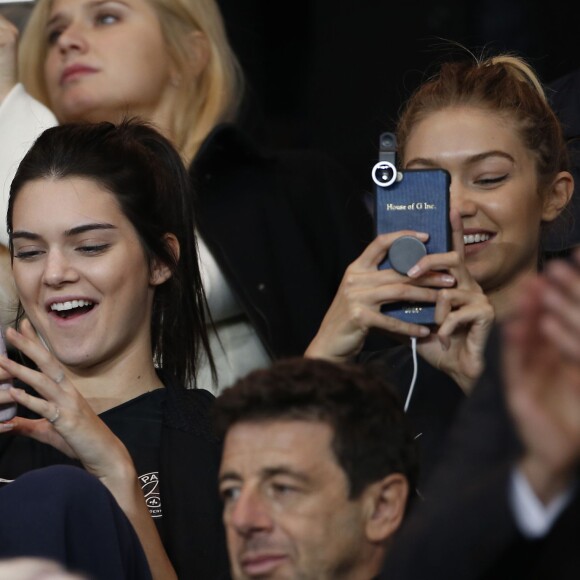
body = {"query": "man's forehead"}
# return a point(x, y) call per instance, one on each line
point(258, 446)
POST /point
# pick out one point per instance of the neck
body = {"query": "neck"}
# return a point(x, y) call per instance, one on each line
point(113, 384)
point(503, 297)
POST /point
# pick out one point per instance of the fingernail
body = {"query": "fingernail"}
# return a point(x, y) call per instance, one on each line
point(448, 279)
point(424, 331)
point(6, 426)
point(414, 270)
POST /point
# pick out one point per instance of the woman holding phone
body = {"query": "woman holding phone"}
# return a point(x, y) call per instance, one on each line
point(488, 123)
point(269, 223)
point(112, 326)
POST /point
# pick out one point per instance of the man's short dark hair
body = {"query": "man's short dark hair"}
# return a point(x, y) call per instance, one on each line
point(372, 437)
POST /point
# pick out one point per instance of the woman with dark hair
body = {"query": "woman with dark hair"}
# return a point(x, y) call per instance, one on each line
point(106, 270)
point(269, 223)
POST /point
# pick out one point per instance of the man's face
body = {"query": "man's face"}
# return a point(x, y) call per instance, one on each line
point(286, 507)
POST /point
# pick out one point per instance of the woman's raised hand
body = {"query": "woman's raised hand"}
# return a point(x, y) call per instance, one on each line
point(356, 308)
point(8, 46)
point(69, 424)
point(464, 315)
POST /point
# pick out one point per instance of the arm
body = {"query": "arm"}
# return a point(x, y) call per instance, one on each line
point(463, 312)
point(542, 370)
point(355, 309)
point(74, 429)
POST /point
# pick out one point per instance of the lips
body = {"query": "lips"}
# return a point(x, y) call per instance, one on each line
point(75, 71)
point(469, 239)
point(476, 240)
point(259, 564)
point(70, 307)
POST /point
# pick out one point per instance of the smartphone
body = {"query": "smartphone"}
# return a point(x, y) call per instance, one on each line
point(7, 410)
point(417, 200)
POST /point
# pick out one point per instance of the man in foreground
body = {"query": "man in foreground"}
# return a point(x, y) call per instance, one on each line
point(316, 471)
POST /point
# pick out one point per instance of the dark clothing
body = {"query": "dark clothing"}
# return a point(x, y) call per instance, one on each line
point(563, 94)
point(66, 515)
point(283, 227)
point(465, 529)
point(434, 402)
point(180, 481)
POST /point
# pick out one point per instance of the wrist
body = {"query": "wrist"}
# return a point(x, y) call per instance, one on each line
point(547, 481)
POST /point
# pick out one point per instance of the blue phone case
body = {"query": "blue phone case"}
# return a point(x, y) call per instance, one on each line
point(419, 201)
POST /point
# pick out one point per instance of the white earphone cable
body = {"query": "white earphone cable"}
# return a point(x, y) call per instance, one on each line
point(413, 380)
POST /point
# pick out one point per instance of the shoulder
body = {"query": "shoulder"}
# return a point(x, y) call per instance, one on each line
point(229, 147)
point(189, 410)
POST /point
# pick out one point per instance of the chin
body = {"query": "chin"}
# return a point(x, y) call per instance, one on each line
point(80, 108)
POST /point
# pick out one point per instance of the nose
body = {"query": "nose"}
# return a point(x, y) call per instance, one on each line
point(250, 513)
point(58, 270)
point(462, 200)
point(72, 38)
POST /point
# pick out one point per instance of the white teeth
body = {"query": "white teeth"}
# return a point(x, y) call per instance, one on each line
point(69, 305)
point(475, 238)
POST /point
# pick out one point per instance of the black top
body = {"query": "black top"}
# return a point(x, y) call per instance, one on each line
point(434, 401)
point(169, 436)
point(282, 227)
point(465, 530)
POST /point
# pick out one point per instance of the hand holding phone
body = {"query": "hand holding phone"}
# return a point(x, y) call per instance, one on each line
point(416, 200)
point(7, 410)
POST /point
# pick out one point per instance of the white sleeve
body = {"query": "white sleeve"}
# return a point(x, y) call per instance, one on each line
point(533, 518)
point(22, 119)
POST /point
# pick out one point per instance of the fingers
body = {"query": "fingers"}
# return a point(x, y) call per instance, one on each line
point(8, 42)
point(456, 308)
point(376, 251)
point(27, 341)
point(561, 302)
point(457, 233)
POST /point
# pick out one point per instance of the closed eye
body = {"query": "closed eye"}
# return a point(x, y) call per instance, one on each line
point(27, 254)
point(487, 181)
point(93, 249)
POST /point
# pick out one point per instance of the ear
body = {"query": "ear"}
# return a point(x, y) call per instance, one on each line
point(559, 196)
point(386, 500)
point(199, 51)
point(160, 271)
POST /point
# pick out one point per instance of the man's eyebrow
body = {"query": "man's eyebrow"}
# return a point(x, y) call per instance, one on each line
point(229, 475)
point(268, 472)
point(26, 235)
point(285, 470)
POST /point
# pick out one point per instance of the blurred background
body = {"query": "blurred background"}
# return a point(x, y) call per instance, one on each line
point(332, 74)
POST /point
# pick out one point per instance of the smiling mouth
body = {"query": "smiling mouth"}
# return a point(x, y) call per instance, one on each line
point(470, 239)
point(71, 308)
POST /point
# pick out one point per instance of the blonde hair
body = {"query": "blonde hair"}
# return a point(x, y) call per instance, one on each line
point(504, 84)
point(205, 99)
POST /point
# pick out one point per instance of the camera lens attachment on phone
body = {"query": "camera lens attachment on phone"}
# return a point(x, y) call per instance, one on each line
point(405, 252)
point(384, 173)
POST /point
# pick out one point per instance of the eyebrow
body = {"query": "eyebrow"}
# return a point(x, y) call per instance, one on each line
point(470, 160)
point(268, 473)
point(90, 5)
point(25, 235)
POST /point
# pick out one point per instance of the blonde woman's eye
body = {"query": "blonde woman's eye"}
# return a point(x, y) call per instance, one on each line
point(107, 18)
point(53, 36)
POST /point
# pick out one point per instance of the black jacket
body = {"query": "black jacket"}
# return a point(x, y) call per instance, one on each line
point(189, 458)
point(283, 227)
point(465, 529)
